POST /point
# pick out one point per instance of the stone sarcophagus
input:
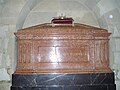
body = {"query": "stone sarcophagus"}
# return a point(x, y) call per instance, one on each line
point(62, 56)
point(62, 49)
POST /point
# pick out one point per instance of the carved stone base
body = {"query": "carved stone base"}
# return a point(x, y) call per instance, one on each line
point(87, 81)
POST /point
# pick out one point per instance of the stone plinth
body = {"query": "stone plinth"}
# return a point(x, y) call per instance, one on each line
point(85, 81)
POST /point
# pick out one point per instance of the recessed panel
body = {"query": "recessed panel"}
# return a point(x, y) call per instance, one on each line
point(73, 54)
point(63, 54)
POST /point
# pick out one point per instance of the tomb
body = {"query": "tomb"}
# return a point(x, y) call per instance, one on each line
point(63, 55)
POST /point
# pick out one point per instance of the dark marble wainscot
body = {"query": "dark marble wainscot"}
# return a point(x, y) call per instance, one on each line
point(91, 81)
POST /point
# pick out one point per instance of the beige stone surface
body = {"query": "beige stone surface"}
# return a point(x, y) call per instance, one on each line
point(4, 76)
point(5, 86)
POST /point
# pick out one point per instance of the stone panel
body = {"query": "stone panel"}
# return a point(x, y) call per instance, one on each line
point(91, 81)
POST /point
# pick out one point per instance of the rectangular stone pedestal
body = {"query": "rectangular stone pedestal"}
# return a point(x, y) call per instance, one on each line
point(87, 81)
